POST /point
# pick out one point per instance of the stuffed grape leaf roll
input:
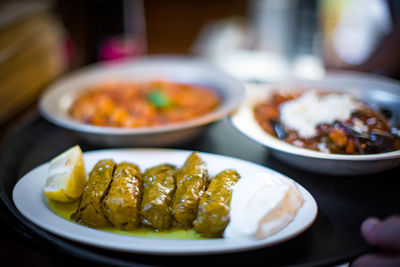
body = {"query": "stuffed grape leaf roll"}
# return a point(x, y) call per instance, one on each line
point(122, 202)
point(213, 213)
point(191, 182)
point(158, 190)
point(89, 209)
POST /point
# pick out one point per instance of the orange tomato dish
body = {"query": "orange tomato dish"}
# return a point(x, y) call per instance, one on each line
point(130, 104)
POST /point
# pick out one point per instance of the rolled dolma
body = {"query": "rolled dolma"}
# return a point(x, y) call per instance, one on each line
point(213, 214)
point(191, 182)
point(122, 202)
point(89, 208)
point(158, 190)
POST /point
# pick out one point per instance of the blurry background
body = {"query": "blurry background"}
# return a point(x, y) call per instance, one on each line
point(253, 40)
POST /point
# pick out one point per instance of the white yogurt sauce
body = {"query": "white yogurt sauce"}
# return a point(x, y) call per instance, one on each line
point(262, 205)
point(306, 112)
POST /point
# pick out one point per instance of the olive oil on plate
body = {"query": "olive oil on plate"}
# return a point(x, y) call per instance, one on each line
point(65, 210)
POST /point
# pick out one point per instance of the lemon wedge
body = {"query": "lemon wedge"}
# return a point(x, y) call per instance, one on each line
point(66, 177)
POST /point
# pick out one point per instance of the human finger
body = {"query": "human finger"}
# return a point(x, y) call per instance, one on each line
point(373, 260)
point(384, 234)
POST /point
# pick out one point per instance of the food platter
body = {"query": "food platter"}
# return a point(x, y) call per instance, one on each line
point(29, 200)
point(380, 93)
point(58, 98)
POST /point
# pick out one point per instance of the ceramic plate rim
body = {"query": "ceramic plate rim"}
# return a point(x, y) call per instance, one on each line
point(24, 198)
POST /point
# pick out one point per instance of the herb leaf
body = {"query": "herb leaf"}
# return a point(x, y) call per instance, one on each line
point(159, 99)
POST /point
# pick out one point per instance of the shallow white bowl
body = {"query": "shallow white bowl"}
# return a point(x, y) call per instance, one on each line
point(377, 91)
point(57, 99)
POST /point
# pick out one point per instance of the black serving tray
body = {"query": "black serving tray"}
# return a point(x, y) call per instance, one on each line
point(344, 202)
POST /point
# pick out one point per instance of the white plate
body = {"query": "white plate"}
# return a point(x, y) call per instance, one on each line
point(29, 200)
point(57, 99)
point(372, 89)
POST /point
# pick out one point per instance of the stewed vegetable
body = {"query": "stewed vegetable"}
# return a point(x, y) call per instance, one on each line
point(89, 211)
point(213, 214)
point(158, 190)
point(161, 198)
point(122, 202)
point(191, 182)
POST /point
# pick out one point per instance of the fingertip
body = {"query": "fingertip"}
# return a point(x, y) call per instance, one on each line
point(373, 260)
point(363, 261)
point(368, 226)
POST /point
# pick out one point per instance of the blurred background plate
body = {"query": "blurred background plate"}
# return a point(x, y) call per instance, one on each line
point(379, 93)
point(56, 100)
